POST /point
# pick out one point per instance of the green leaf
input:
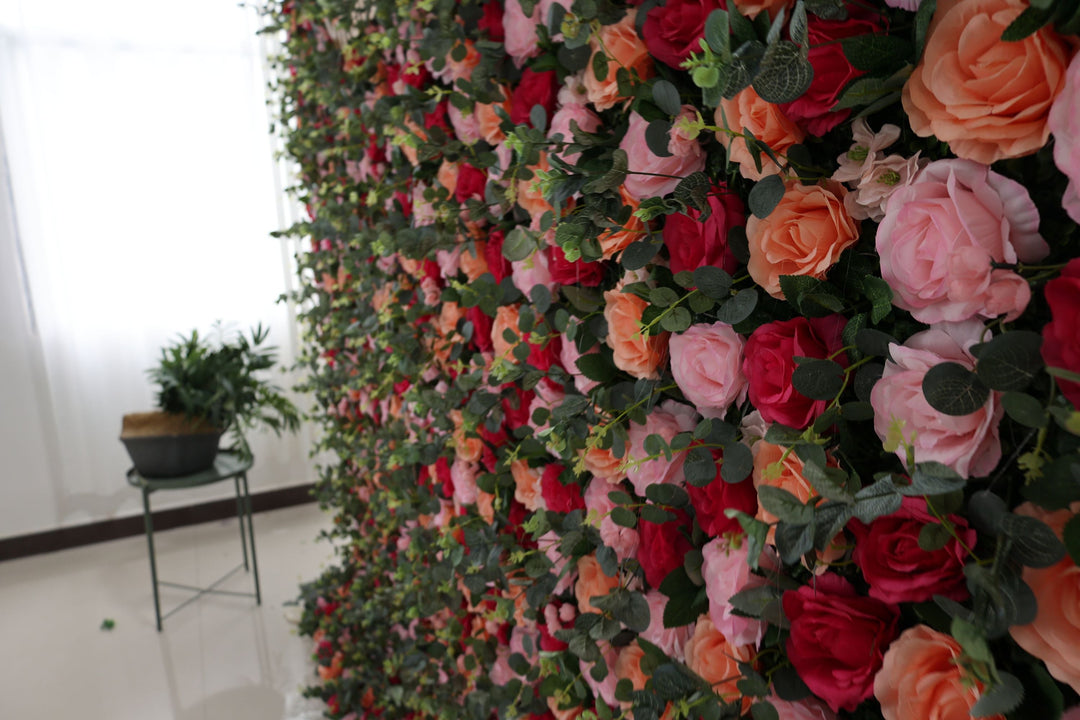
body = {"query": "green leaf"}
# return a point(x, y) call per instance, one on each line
point(797, 28)
point(829, 482)
point(600, 66)
point(1010, 361)
point(666, 97)
point(597, 367)
point(764, 710)
point(742, 69)
point(623, 517)
point(693, 191)
point(663, 297)
point(756, 533)
point(638, 254)
point(1000, 698)
point(737, 464)
point(1034, 543)
point(766, 195)
point(713, 281)
point(952, 389)
point(753, 601)
point(667, 494)
point(699, 467)
point(718, 33)
point(874, 342)
point(932, 478)
point(877, 500)
point(1026, 24)
point(739, 307)
point(933, 537)
point(677, 320)
point(878, 292)
point(785, 73)
point(1025, 409)
point(519, 244)
point(671, 682)
point(971, 640)
point(877, 53)
point(1071, 538)
point(784, 505)
point(636, 613)
point(923, 17)
point(685, 599)
point(828, 10)
point(818, 378)
point(656, 514)
point(793, 541)
point(1058, 487)
point(657, 137)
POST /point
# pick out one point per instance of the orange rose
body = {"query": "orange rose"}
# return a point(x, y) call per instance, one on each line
point(447, 176)
point(624, 49)
point(446, 326)
point(786, 476)
point(1052, 636)
point(615, 241)
point(803, 235)
point(639, 354)
point(473, 263)
point(766, 121)
point(526, 485)
point(529, 196)
point(506, 318)
point(988, 99)
point(485, 505)
point(466, 448)
point(711, 656)
point(489, 121)
point(603, 464)
point(592, 582)
point(571, 713)
point(628, 666)
point(920, 678)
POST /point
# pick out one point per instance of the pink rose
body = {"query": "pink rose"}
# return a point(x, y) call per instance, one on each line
point(623, 540)
point(568, 357)
point(586, 120)
point(1064, 123)
point(548, 543)
point(670, 640)
point(667, 421)
point(532, 271)
point(806, 709)
point(726, 572)
point(706, 361)
point(463, 475)
point(520, 30)
point(940, 235)
point(686, 158)
point(969, 444)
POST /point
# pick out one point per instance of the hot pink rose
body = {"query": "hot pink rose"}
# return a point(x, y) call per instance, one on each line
point(769, 363)
point(711, 501)
point(663, 546)
point(579, 272)
point(706, 361)
point(726, 572)
point(672, 30)
point(941, 233)
point(557, 496)
point(838, 639)
point(685, 158)
point(898, 570)
point(1061, 341)
point(667, 421)
point(1064, 123)
point(520, 32)
point(692, 243)
point(535, 88)
point(969, 444)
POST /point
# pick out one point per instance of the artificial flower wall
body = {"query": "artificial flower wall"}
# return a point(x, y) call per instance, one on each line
point(708, 358)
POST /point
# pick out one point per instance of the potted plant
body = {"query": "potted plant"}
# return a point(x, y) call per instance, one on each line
point(206, 389)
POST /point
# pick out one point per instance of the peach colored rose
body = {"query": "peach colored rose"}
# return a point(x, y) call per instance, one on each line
point(663, 173)
point(941, 233)
point(467, 448)
point(637, 353)
point(628, 666)
point(623, 49)
point(988, 99)
point(485, 505)
point(1052, 636)
point(969, 444)
point(529, 195)
point(473, 262)
point(489, 121)
point(613, 242)
point(1064, 123)
point(592, 582)
point(506, 318)
point(526, 485)
point(772, 468)
point(571, 713)
point(603, 464)
point(803, 235)
point(766, 121)
point(447, 176)
point(706, 361)
point(921, 678)
point(711, 656)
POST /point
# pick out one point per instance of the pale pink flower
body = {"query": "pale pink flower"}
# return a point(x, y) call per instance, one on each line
point(520, 29)
point(726, 572)
point(1064, 123)
point(623, 540)
point(667, 421)
point(687, 157)
point(670, 640)
point(706, 361)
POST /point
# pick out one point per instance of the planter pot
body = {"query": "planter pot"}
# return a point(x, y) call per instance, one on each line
point(164, 445)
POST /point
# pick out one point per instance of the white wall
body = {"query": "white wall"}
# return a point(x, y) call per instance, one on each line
point(142, 182)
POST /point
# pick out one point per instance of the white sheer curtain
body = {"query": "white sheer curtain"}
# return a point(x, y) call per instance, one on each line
point(143, 185)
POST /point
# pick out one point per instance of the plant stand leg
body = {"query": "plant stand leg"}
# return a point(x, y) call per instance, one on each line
point(251, 537)
point(240, 520)
point(149, 521)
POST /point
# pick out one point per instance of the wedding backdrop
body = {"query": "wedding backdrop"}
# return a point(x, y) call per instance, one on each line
point(708, 358)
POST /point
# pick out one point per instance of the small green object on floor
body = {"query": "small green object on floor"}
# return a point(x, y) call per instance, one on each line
point(108, 624)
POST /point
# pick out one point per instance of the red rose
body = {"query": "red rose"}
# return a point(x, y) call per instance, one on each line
point(769, 362)
point(710, 502)
point(1061, 341)
point(516, 407)
point(492, 21)
point(438, 117)
point(662, 547)
point(535, 88)
point(692, 243)
point(564, 272)
point(838, 639)
point(898, 570)
point(481, 322)
point(470, 183)
point(442, 474)
point(672, 31)
point(499, 266)
point(832, 73)
point(558, 497)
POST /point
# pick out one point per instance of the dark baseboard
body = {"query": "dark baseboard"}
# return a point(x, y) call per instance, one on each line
point(64, 538)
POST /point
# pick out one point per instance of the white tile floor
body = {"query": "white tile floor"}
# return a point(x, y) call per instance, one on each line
point(219, 658)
